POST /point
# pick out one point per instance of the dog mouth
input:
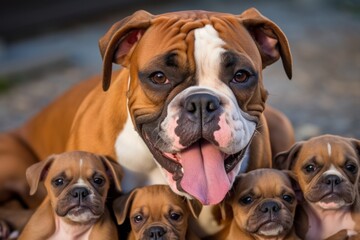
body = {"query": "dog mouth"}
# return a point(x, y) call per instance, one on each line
point(270, 228)
point(201, 169)
point(331, 201)
point(78, 210)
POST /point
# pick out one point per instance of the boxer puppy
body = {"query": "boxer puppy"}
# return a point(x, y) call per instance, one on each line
point(77, 184)
point(155, 212)
point(260, 206)
point(327, 168)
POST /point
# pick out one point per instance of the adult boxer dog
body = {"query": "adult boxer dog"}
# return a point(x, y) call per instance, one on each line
point(260, 206)
point(190, 96)
point(156, 212)
point(327, 168)
point(77, 184)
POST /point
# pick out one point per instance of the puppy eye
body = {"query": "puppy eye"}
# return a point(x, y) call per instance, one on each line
point(310, 168)
point(98, 181)
point(241, 76)
point(246, 200)
point(175, 216)
point(159, 78)
point(58, 182)
point(288, 198)
point(138, 218)
point(351, 168)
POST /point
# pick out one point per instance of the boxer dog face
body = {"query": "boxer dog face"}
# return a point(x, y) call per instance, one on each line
point(327, 168)
point(195, 90)
point(263, 203)
point(77, 184)
point(155, 212)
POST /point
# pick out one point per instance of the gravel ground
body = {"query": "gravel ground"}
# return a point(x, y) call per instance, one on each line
point(322, 97)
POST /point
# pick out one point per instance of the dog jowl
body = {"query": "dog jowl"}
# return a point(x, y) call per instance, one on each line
point(195, 91)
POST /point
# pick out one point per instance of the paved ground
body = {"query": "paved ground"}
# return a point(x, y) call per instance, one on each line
point(322, 97)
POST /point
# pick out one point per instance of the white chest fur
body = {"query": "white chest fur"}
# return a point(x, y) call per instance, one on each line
point(140, 169)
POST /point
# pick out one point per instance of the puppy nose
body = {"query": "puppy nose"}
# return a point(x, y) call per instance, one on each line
point(79, 192)
point(156, 233)
point(332, 180)
point(201, 106)
point(270, 206)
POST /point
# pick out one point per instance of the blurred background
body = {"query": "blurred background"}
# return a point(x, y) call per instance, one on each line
point(47, 46)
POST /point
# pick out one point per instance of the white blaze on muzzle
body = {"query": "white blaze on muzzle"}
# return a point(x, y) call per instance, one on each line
point(204, 174)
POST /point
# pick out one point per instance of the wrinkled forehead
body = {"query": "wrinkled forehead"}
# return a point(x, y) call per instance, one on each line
point(328, 150)
point(176, 33)
point(265, 183)
point(76, 166)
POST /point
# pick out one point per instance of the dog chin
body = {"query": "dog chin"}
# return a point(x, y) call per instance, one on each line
point(331, 205)
point(271, 229)
point(81, 215)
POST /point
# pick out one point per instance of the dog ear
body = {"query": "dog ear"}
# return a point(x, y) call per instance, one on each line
point(122, 205)
point(37, 172)
point(113, 170)
point(286, 160)
point(270, 39)
point(195, 207)
point(120, 40)
point(356, 144)
point(226, 209)
point(295, 185)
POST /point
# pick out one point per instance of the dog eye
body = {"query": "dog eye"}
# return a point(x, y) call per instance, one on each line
point(138, 218)
point(98, 181)
point(241, 76)
point(310, 168)
point(351, 168)
point(159, 78)
point(58, 182)
point(287, 198)
point(246, 200)
point(175, 216)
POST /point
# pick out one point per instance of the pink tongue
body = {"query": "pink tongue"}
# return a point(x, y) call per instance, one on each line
point(204, 173)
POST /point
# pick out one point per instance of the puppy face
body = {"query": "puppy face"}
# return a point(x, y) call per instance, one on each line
point(327, 168)
point(264, 203)
point(196, 95)
point(155, 212)
point(77, 184)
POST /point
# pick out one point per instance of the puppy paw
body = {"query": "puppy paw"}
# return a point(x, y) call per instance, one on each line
point(4, 230)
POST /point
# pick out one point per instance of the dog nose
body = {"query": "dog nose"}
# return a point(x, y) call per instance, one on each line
point(332, 180)
point(79, 192)
point(156, 233)
point(270, 206)
point(201, 106)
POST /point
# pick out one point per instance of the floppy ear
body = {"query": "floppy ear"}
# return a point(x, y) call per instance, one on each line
point(37, 173)
point(122, 205)
point(356, 144)
point(286, 160)
point(294, 184)
point(120, 40)
point(226, 209)
point(195, 207)
point(114, 171)
point(270, 39)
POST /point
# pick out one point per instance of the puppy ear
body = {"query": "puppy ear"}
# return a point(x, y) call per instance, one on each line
point(120, 40)
point(294, 184)
point(195, 207)
point(37, 172)
point(122, 205)
point(113, 170)
point(225, 206)
point(270, 39)
point(286, 160)
point(356, 144)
